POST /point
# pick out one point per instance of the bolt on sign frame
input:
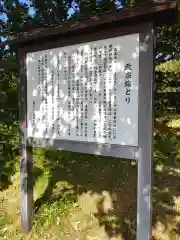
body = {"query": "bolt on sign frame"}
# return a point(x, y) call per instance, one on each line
point(140, 20)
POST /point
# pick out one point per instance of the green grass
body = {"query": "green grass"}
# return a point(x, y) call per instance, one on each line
point(80, 196)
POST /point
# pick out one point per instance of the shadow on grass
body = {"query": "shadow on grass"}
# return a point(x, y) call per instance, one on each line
point(117, 178)
point(7, 165)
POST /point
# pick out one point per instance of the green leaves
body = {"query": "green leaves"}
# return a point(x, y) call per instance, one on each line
point(168, 42)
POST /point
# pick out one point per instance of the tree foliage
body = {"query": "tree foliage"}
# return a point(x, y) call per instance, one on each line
point(19, 16)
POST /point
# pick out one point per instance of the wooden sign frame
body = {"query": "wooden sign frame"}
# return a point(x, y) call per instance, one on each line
point(143, 153)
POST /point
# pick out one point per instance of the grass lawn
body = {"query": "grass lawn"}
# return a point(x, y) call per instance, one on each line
point(80, 196)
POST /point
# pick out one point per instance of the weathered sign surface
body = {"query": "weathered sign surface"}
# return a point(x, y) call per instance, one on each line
point(85, 92)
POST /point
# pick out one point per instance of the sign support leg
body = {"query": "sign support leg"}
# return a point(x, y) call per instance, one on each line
point(145, 129)
point(26, 188)
point(144, 196)
point(26, 153)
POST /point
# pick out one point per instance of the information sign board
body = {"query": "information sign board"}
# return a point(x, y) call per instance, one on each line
point(85, 92)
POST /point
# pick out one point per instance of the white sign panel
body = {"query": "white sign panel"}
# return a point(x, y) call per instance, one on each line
point(86, 92)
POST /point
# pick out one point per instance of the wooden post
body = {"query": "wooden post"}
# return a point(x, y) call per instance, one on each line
point(145, 129)
point(26, 188)
point(26, 160)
